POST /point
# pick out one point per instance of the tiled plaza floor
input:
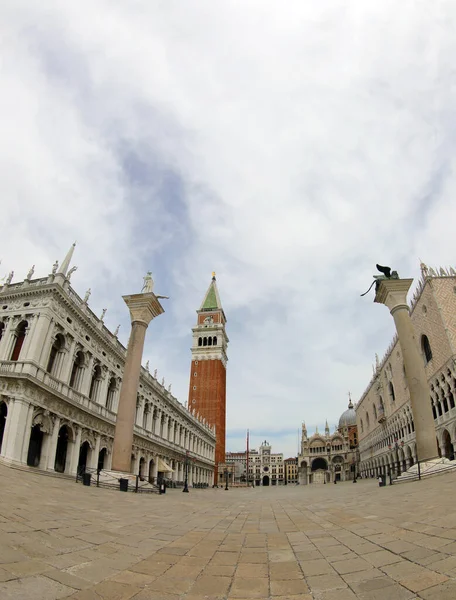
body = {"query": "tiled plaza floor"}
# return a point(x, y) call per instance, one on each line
point(328, 542)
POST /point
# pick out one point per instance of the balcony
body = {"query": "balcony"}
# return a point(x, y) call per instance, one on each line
point(381, 417)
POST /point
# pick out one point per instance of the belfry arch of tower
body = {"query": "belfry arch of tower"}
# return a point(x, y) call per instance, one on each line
point(207, 388)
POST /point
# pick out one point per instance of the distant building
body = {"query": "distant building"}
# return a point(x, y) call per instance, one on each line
point(290, 470)
point(384, 416)
point(265, 468)
point(325, 458)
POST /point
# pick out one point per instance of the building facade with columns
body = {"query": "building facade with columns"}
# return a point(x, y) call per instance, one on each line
point(265, 467)
point(386, 428)
point(60, 374)
point(328, 458)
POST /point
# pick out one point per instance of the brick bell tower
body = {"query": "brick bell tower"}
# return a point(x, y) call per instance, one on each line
point(207, 390)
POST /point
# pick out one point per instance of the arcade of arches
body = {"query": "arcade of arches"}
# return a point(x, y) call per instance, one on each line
point(401, 456)
point(55, 444)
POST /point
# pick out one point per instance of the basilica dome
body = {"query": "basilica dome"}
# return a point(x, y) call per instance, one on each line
point(348, 418)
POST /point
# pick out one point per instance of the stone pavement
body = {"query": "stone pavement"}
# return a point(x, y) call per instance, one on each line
point(59, 539)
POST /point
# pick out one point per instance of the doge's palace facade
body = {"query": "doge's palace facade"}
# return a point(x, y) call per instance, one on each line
point(60, 375)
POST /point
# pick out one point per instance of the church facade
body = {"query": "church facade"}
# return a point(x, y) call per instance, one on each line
point(329, 458)
point(60, 375)
point(384, 416)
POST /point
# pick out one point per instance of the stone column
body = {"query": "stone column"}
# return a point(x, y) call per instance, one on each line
point(103, 390)
point(18, 411)
point(4, 342)
point(39, 350)
point(53, 445)
point(28, 431)
point(95, 453)
point(68, 363)
point(86, 378)
point(157, 422)
point(143, 308)
point(75, 451)
point(393, 294)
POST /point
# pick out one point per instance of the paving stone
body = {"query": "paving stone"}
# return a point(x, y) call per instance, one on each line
point(249, 588)
point(206, 585)
point(251, 570)
point(319, 583)
point(316, 567)
point(34, 588)
point(350, 566)
point(444, 591)
point(382, 558)
point(130, 577)
point(172, 586)
point(290, 587)
point(403, 569)
point(422, 581)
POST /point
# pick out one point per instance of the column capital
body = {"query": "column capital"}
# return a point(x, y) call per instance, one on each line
point(143, 307)
point(393, 293)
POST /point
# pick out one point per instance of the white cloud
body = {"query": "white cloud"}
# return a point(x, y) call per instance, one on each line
point(306, 139)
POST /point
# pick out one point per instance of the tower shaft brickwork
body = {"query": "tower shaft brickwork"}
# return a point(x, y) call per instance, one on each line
point(207, 389)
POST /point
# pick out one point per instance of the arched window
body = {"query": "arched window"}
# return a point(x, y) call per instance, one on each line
point(76, 371)
point(200, 341)
point(204, 341)
point(391, 391)
point(95, 383)
point(56, 354)
point(375, 411)
point(2, 329)
point(367, 420)
point(381, 405)
point(426, 348)
point(215, 341)
point(20, 332)
point(209, 341)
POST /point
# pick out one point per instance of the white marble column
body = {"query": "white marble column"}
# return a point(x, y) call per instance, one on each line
point(28, 430)
point(95, 453)
point(103, 389)
point(53, 445)
point(68, 363)
point(32, 321)
point(4, 342)
point(87, 374)
point(76, 446)
point(158, 423)
point(38, 349)
point(18, 410)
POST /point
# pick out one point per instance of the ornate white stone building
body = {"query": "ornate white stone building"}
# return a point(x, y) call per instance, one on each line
point(385, 421)
point(329, 457)
point(60, 374)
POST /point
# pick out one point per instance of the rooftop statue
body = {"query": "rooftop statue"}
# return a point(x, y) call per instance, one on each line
point(148, 285)
point(387, 273)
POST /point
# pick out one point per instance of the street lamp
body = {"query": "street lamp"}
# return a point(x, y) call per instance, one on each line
point(186, 473)
point(226, 479)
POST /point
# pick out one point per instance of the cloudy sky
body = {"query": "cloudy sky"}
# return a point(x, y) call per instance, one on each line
point(287, 146)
